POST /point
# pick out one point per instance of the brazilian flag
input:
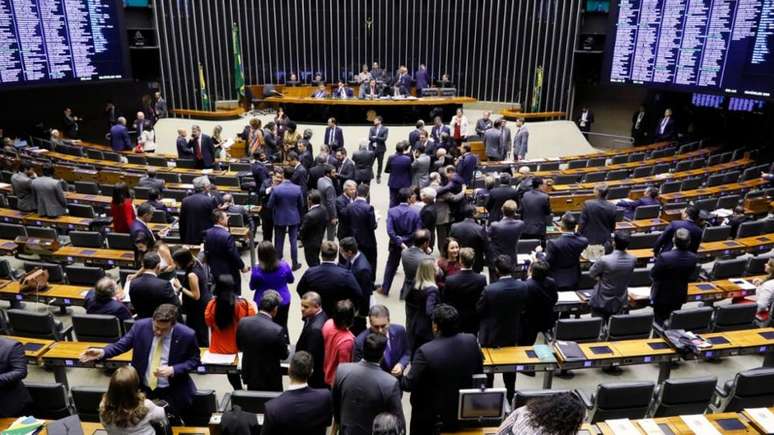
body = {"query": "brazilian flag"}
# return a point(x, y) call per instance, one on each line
point(203, 90)
point(239, 74)
point(538, 89)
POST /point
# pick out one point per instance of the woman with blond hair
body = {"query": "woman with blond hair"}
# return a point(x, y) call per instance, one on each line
point(420, 302)
point(124, 410)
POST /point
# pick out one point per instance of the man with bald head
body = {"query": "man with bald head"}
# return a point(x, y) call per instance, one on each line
point(311, 338)
point(119, 136)
point(483, 124)
point(671, 272)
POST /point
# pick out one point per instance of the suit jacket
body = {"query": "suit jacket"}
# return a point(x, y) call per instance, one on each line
point(501, 307)
point(346, 170)
point(504, 237)
point(664, 242)
point(362, 223)
point(287, 204)
point(183, 357)
point(668, 132)
point(315, 174)
point(597, 221)
point(402, 222)
point(312, 228)
point(422, 79)
point(196, 217)
point(342, 93)
point(505, 142)
point(328, 192)
point(437, 131)
point(361, 269)
point(119, 138)
point(471, 235)
point(222, 254)
point(492, 145)
point(589, 119)
point(613, 273)
point(184, 150)
point(364, 164)
point(361, 392)
point(535, 208)
point(109, 307)
point(208, 150)
point(563, 256)
point(365, 91)
point(482, 125)
point(300, 178)
point(343, 229)
point(497, 198)
point(260, 173)
point(466, 166)
point(462, 291)
point(413, 138)
point(147, 292)
point(140, 233)
point(397, 352)
point(311, 340)
point(152, 183)
point(521, 142)
point(306, 411)
point(263, 346)
point(410, 259)
point(671, 273)
point(420, 171)
point(539, 314)
point(306, 158)
point(13, 369)
point(50, 197)
point(22, 188)
point(332, 282)
point(399, 168)
point(439, 370)
point(338, 137)
point(377, 140)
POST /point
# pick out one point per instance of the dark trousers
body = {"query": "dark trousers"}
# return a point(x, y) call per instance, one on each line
point(267, 226)
point(311, 253)
point(235, 379)
point(279, 240)
point(394, 196)
point(330, 231)
point(282, 319)
point(164, 394)
point(370, 255)
point(393, 260)
point(379, 163)
point(661, 312)
point(509, 379)
point(442, 232)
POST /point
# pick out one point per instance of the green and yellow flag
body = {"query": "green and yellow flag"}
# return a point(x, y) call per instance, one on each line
point(239, 74)
point(203, 90)
point(538, 90)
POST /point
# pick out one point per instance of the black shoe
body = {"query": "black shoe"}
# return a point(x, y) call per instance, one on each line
point(565, 374)
point(613, 371)
point(296, 267)
point(531, 374)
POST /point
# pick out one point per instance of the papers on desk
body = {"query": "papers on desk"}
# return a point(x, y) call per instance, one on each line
point(762, 417)
point(639, 293)
point(699, 424)
point(221, 359)
point(650, 426)
point(206, 171)
point(522, 259)
point(622, 426)
point(743, 283)
point(567, 298)
point(23, 425)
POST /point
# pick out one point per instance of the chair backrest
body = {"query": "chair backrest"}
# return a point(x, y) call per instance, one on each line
point(707, 204)
point(647, 212)
point(159, 217)
point(617, 160)
point(621, 400)
point(580, 330)
point(629, 326)
point(751, 389)
point(729, 201)
point(185, 163)
point(84, 275)
point(586, 281)
point(565, 179)
point(127, 324)
point(577, 164)
point(188, 178)
point(619, 174)
point(222, 180)
point(715, 159)
point(642, 171)
point(177, 195)
point(241, 198)
point(198, 413)
point(594, 177)
point(670, 187)
point(548, 166)
point(723, 269)
point(597, 162)
point(55, 271)
point(81, 211)
point(94, 154)
point(684, 396)
point(683, 166)
point(756, 265)
point(141, 192)
point(86, 401)
point(169, 177)
point(42, 232)
point(691, 319)
point(661, 168)
point(49, 401)
point(526, 246)
point(236, 220)
point(521, 397)
point(252, 401)
point(691, 183)
point(716, 234)
point(136, 160)
point(86, 239)
point(619, 192)
point(11, 231)
point(643, 240)
point(239, 167)
point(716, 180)
point(113, 157)
point(636, 157)
point(640, 277)
point(119, 241)
point(733, 317)
point(32, 324)
point(750, 229)
point(102, 328)
point(87, 187)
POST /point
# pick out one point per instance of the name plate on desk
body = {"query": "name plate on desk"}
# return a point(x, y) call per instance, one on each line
point(762, 417)
point(699, 424)
point(622, 426)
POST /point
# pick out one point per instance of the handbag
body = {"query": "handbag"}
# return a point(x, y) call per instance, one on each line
point(34, 281)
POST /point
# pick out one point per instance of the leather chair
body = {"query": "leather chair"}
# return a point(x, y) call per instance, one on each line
point(49, 401)
point(252, 401)
point(647, 212)
point(579, 330)
point(84, 275)
point(629, 326)
point(749, 389)
point(87, 187)
point(696, 320)
point(120, 241)
point(683, 396)
point(11, 231)
point(199, 412)
point(87, 239)
point(734, 317)
point(621, 400)
point(81, 211)
point(716, 234)
point(723, 269)
point(55, 271)
point(86, 401)
point(36, 324)
point(643, 240)
point(103, 328)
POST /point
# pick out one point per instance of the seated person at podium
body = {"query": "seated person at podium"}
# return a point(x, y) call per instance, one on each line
point(364, 76)
point(321, 92)
point(444, 82)
point(318, 79)
point(649, 197)
point(57, 139)
point(342, 91)
point(371, 90)
point(293, 80)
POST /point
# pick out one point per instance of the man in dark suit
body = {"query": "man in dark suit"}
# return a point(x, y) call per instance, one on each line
point(164, 352)
point(358, 264)
point(326, 185)
point(150, 180)
point(346, 168)
point(439, 370)
point(463, 290)
point(535, 209)
point(597, 219)
point(493, 146)
point(470, 234)
point(413, 137)
point(364, 163)
point(429, 212)
point(691, 221)
point(260, 169)
point(305, 151)
point(504, 236)
point(439, 129)
point(498, 196)
point(70, 123)
point(13, 369)
point(671, 273)
point(343, 92)
point(484, 124)
point(119, 136)
point(196, 213)
point(665, 128)
point(263, 345)
point(331, 281)
point(143, 238)
point(102, 300)
point(312, 229)
point(311, 338)
point(399, 168)
point(21, 183)
point(466, 164)
point(412, 257)
point(141, 124)
point(302, 409)
point(334, 136)
point(640, 121)
point(362, 390)
point(377, 142)
point(422, 79)
point(500, 308)
point(287, 204)
point(184, 150)
point(147, 291)
point(584, 120)
point(362, 223)
point(402, 222)
point(563, 255)
point(396, 354)
point(370, 90)
point(221, 252)
point(203, 149)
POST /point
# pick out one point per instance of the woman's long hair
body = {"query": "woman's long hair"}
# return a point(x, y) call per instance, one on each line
point(267, 256)
point(120, 193)
point(124, 404)
point(425, 276)
point(225, 300)
point(558, 414)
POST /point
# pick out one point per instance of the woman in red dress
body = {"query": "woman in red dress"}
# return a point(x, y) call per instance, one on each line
point(121, 208)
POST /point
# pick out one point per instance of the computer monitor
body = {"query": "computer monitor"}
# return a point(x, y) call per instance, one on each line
point(481, 404)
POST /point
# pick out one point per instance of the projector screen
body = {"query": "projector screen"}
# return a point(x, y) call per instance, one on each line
point(45, 42)
point(722, 46)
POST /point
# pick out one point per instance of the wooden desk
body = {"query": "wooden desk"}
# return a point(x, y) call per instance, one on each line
point(518, 359)
point(12, 216)
point(111, 257)
point(89, 428)
point(758, 243)
point(216, 115)
point(713, 191)
point(8, 247)
point(64, 222)
point(678, 426)
point(656, 224)
point(742, 342)
point(62, 294)
point(752, 420)
point(403, 102)
point(531, 116)
point(34, 348)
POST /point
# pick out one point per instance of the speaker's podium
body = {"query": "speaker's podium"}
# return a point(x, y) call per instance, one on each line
point(439, 92)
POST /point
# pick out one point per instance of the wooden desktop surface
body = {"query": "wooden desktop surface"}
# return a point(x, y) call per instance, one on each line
point(678, 426)
point(58, 291)
point(424, 101)
point(598, 154)
point(89, 428)
point(33, 355)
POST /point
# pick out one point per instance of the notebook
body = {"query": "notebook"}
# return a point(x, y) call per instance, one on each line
point(570, 350)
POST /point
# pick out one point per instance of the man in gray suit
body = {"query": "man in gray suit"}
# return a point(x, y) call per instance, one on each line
point(22, 187)
point(328, 192)
point(411, 257)
point(521, 140)
point(613, 273)
point(597, 221)
point(505, 139)
point(483, 124)
point(493, 143)
point(362, 390)
point(150, 180)
point(420, 168)
point(49, 194)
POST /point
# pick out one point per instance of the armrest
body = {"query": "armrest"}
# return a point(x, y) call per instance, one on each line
point(225, 404)
point(721, 391)
point(587, 399)
point(67, 333)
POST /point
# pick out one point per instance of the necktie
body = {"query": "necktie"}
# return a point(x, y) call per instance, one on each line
point(153, 381)
point(199, 148)
point(330, 137)
point(663, 124)
point(387, 354)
